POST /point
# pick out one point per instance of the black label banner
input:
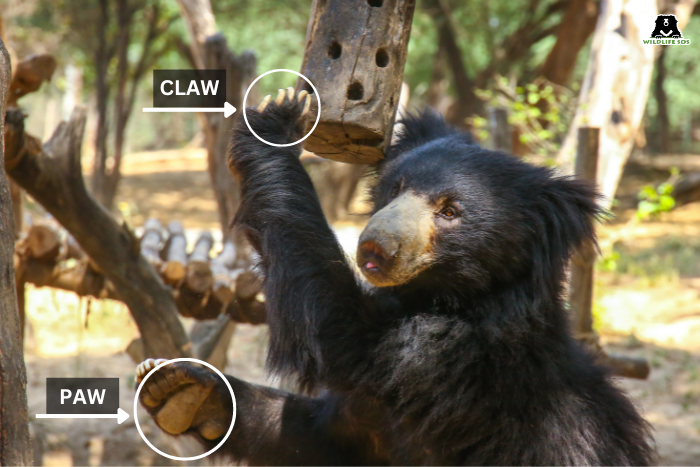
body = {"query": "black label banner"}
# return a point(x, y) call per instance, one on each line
point(189, 88)
point(82, 395)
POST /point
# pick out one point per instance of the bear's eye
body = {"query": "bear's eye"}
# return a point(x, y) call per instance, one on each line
point(448, 213)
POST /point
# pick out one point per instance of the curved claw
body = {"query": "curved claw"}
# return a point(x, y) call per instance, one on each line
point(280, 96)
point(263, 104)
point(290, 93)
point(307, 106)
point(146, 366)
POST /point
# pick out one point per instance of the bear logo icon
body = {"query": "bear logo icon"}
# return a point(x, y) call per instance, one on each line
point(666, 28)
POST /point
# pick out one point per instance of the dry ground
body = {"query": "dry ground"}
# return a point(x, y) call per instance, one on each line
point(647, 304)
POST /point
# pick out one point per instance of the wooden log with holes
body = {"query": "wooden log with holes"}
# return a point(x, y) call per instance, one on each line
point(355, 56)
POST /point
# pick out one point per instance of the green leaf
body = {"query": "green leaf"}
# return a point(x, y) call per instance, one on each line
point(666, 203)
point(665, 189)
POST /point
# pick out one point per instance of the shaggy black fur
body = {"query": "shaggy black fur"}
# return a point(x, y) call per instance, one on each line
point(471, 362)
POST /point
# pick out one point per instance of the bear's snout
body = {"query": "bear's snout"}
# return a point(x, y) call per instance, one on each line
point(395, 245)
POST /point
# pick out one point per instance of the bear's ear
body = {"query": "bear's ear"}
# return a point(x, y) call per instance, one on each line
point(417, 129)
point(573, 210)
point(568, 212)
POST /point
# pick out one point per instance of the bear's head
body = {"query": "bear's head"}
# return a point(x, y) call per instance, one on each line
point(666, 23)
point(447, 211)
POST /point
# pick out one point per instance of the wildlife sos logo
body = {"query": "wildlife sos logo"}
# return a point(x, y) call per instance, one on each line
point(666, 32)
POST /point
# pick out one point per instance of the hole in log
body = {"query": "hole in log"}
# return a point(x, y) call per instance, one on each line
point(375, 3)
point(355, 91)
point(307, 87)
point(382, 58)
point(334, 50)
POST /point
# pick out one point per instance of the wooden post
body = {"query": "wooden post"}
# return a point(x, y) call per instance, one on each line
point(582, 272)
point(355, 56)
point(581, 286)
point(500, 130)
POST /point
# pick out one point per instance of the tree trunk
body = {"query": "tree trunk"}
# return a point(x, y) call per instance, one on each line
point(112, 175)
point(15, 447)
point(102, 59)
point(615, 88)
point(616, 85)
point(240, 72)
point(209, 50)
point(467, 103)
point(576, 26)
point(106, 181)
point(201, 25)
point(662, 104)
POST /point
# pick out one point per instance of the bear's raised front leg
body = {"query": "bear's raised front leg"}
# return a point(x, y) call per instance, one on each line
point(272, 427)
point(321, 329)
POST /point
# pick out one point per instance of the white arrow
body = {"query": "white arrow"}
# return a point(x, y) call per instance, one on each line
point(227, 109)
point(120, 415)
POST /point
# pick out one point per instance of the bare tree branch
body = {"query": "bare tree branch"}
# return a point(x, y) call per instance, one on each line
point(53, 177)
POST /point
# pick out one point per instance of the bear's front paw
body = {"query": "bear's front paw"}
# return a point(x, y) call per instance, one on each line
point(281, 121)
point(183, 397)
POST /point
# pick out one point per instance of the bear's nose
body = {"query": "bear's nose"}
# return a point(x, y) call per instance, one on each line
point(376, 254)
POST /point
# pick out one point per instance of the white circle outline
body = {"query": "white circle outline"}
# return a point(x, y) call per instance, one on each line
point(136, 401)
point(318, 115)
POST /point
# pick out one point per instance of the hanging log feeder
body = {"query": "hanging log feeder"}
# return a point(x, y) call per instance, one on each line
point(355, 55)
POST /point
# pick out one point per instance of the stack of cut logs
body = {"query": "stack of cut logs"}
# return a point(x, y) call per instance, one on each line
point(203, 287)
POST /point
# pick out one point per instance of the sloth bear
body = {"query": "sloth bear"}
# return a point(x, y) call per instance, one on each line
point(666, 27)
point(456, 349)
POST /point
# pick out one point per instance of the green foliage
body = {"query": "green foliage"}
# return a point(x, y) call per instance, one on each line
point(540, 112)
point(274, 29)
point(665, 260)
point(655, 200)
point(609, 262)
point(481, 27)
